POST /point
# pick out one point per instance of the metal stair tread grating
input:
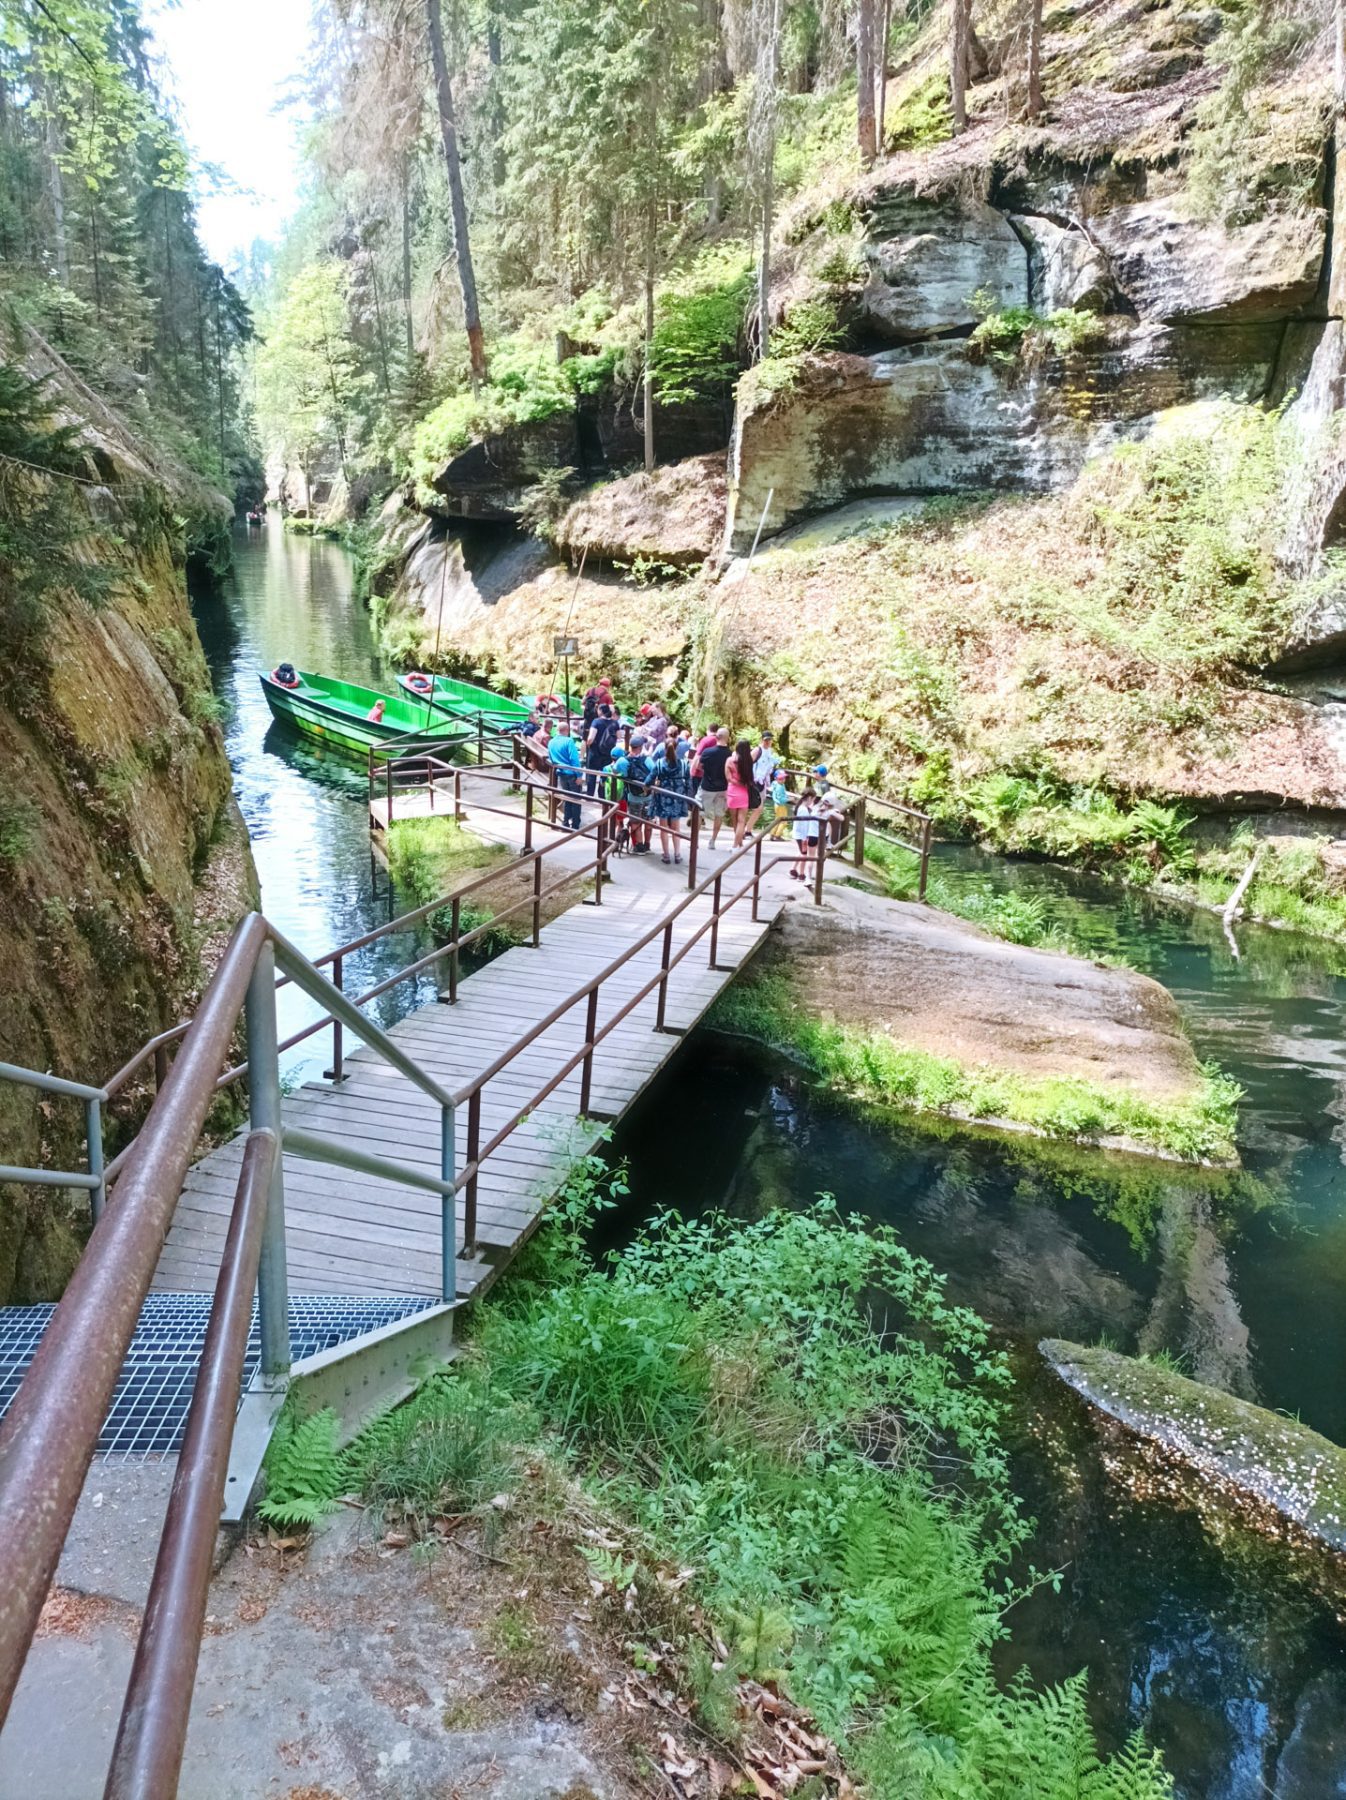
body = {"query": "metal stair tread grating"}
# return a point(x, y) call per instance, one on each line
point(153, 1392)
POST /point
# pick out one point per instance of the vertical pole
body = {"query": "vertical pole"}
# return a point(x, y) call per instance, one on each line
point(821, 858)
point(160, 1066)
point(430, 782)
point(537, 902)
point(528, 816)
point(925, 858)
point(587, 1067)
point(473, 1146)
point(693, 839)
point(388, 787)
point(551, 796)
point(756, 877)
point(481, 742)
point(598, 858)
point(448, 1213)
point(455, 925)
point(663, 985)
point(93, 1132)
point(859, 829)
point(337, 1072)
point(715, 919)
point(273, 1300)
point(457, 796)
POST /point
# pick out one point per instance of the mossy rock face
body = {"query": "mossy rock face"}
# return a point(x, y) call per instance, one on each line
point(1277, 1475)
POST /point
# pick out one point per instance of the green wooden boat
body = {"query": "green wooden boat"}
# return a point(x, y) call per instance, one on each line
point(465, 701)
point(337, 713)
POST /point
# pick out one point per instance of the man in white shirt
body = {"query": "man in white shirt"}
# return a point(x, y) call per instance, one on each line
point(764, 761)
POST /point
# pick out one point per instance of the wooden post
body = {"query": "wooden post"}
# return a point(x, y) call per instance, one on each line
point(821, 858)
point(587, 1068)
point(756, 877)
point(455, 916)
point(537, 902)
point(458, 796)
point(693, 838)
point(715, 919)
point(925, 859)
point(160, 1066)
point(528, 817)
point(858, 827)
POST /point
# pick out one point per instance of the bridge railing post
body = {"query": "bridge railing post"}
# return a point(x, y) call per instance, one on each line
point(264, 1114)
point(599, 835)
point(93, 1131)
point(458, 814)
point(455, 926)
point(537, 902)
point(858, 828)
point(820, 861)
point(527, 817)
point(337, 1070)
point(693, 839)
point(715, 919)
point(587, 1068)
point(448, 1208)
point(926, 830)
point(473, 1148)
point(757, 876)
point(388, 789)
point(663, 985)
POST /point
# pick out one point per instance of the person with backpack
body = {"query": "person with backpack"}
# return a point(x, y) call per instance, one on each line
point(600, 694)
point(600, 742)
point(633, 766)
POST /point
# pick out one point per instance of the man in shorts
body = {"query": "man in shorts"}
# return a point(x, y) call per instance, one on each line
point(714, 782)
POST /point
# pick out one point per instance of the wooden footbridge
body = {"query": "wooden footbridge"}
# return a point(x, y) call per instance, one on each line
point(398, 1188)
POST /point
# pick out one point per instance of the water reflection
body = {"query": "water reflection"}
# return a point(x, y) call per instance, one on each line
point(291, 597)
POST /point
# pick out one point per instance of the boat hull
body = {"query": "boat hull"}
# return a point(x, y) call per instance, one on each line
point(341, 729)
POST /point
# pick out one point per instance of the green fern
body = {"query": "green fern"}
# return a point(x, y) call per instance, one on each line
point(303, 1470)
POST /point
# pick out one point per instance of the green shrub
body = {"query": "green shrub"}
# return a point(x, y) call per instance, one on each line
point(695, 352)
point(18, 829)
point(811, 326)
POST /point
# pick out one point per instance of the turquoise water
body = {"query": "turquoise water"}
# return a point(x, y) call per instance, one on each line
point(1238, 1676)
point(291, 598)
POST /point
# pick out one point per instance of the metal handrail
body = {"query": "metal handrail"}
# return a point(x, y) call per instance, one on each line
point(147, 1757)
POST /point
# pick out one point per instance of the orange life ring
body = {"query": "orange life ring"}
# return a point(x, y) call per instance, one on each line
point(550, 703)
point(423, 684)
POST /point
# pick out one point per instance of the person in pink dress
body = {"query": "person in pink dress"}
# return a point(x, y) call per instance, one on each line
point(739, 796)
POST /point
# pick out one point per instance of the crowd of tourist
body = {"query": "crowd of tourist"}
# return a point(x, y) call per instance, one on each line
point(656, 771)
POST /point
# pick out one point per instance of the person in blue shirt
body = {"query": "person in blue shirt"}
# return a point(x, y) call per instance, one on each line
point(564, 756)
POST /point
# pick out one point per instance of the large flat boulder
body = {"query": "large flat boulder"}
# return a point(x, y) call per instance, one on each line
point(488, 479)
point(935, 982)
point(1067, 269)
point(926, 258)
point(673, 516)
point(1174, 268)
point(935, 419)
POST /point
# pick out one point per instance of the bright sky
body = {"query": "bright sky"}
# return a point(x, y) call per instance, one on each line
point(227, 64)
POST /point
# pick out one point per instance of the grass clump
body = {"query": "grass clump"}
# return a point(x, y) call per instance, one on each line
point(428, 858)
point(874, 1066)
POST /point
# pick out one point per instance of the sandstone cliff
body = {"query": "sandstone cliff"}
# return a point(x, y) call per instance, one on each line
point(122, 854)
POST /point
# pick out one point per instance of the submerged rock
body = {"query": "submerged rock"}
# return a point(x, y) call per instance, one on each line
point(1274, 1473)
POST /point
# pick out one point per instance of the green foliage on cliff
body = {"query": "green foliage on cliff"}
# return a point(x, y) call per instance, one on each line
point(44, 519)
point(875, 1066)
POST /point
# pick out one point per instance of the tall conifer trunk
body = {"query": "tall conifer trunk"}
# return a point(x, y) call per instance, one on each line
point(448, 131)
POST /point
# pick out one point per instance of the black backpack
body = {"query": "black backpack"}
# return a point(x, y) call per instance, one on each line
point(637, 776)
point(605, 736)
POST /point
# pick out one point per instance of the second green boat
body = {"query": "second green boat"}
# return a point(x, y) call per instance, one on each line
point(353, 718)
point(465, 701)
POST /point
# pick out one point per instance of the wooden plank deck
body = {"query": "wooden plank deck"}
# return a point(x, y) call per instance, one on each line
point(348, 1233)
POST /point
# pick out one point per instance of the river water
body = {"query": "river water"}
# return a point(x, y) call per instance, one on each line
point(1236, 1674)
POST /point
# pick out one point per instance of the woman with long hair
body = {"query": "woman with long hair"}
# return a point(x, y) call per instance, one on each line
point(670, 803)
point(744, 797)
